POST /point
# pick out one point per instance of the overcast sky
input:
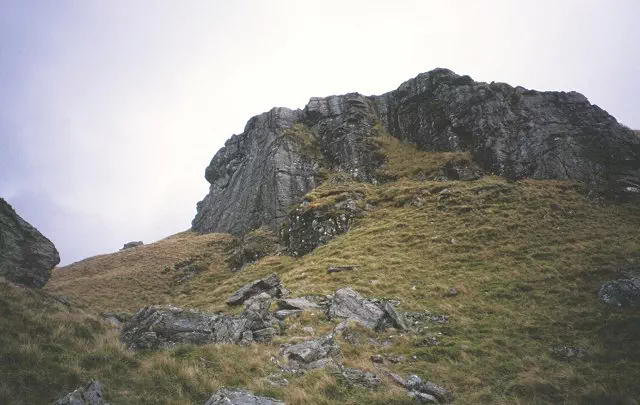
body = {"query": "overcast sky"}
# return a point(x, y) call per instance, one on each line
point(111, 110)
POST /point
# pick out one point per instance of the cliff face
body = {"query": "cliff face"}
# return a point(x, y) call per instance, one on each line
point(26, 256)
point(258, 175)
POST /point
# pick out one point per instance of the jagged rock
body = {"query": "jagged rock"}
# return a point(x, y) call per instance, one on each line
point(311, 354)
point(307, 229)
point(130, 245)
point(396, 319)
point(226, 396)
point(423, 390)
point(26, 256)
point(158, 327)
point(91, 394)
point(621, 293)
point(270, 285)
point(350, 305)
point(298, 303)
point(508, 130)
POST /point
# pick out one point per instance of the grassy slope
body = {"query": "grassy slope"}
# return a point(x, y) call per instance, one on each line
point(527, 259)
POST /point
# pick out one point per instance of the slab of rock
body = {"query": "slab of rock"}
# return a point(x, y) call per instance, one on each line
point(624, 293)
point(270, 285)
point(158, 327)
point(91, 394)
point(26, 256)
point(350, 305)
point(395, 318)
point(227, 396)
point(298, 303)
point(130, 245)
point(312, 354)
point(415, 383)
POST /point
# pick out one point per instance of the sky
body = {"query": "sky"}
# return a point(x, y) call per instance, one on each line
point(110, 110)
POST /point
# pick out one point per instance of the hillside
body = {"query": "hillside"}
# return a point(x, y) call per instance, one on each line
point(526, 259)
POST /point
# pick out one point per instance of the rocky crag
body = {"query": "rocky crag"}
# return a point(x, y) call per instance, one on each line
point(282, 154)
point(26, 256)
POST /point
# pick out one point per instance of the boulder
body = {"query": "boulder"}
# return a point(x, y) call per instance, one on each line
point(423, 391)
point(130, 245)
point(354, 376)
point(350, 305)
point(270, 285)
point(312, 354)
point(158, 327)
point(227, 396)
point(623, 293)
point(91, 394)
point(26, 256)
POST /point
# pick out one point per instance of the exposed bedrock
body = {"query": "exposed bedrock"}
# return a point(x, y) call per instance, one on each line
point(261, 173)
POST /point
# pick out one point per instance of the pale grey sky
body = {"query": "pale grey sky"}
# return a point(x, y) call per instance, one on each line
point(111, 110)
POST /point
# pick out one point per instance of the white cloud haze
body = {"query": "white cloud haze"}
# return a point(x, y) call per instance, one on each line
point(111, 110)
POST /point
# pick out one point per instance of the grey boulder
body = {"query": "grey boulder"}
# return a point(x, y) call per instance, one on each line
point(91, 394)
point(159, 327)
point(227, 396)
point(624, 293)
point(270, 285)
point(350, 305)
point(26, 256)
point(130, 245)
point(313, 354)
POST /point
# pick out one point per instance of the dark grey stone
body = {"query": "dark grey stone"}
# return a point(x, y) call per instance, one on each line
point(227, 396)
point(270, 285)
point(26, 256)
point(623, 293)
point(350, 305)
point(91, 394)
point(311, 351)
point(130, 245)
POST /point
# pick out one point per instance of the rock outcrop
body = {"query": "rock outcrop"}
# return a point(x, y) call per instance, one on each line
point(159, 327)
point(226, 396)
point(26, 256)
point(270, 285)
point(89, 395)
point(259, 174)
point(130, 245)
point(349, 305)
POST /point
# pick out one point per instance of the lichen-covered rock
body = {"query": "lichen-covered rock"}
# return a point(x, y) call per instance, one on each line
point(508, 130)
point(26, 256)
point(270, 285)
point(226, 396)
point(251, 247)
point(308, 228)
point(623, 293)
point(91, 394)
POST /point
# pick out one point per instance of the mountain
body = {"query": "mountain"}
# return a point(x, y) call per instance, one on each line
point(513, 132)
point(447, 242)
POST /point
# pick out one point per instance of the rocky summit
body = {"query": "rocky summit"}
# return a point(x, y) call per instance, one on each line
point(26, 256)
point(510, 131)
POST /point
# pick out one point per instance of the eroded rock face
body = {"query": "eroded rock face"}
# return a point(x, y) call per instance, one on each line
point(26, 256)
point(239, 397)
point(509, 131)
point(89, 395)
